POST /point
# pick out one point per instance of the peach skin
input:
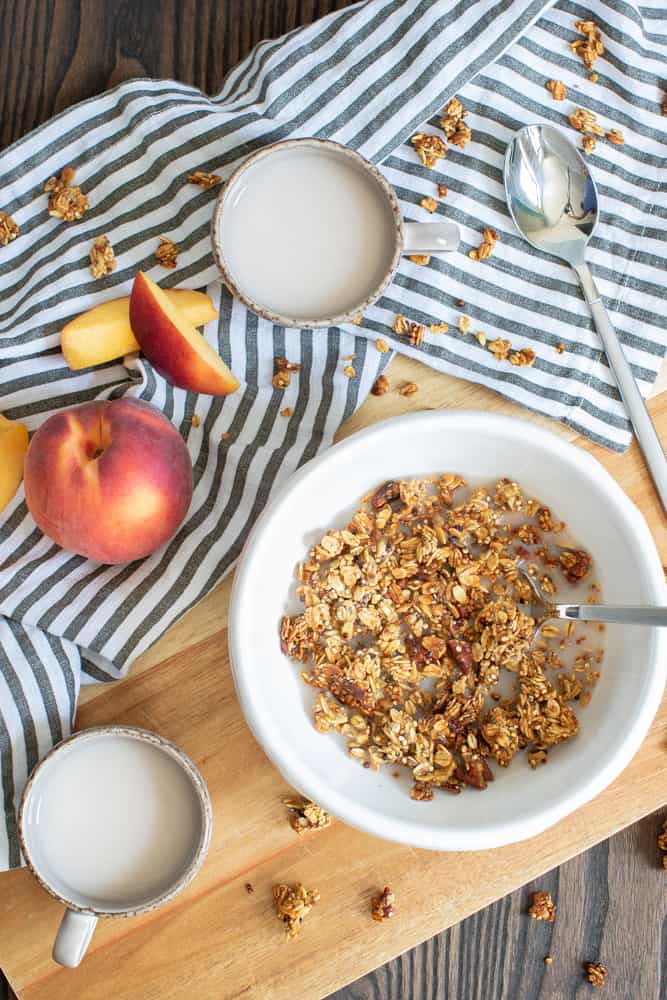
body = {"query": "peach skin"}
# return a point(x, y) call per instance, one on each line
point(110, 480)
point(172, 344)
point(104, 333)
point(13, 446)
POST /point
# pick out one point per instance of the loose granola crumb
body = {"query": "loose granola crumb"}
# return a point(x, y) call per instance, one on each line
point(196, 420)
point(548, 960)
point(382, 905)
point(585, 121)
point(382, 346)
point(203, 179)
point(557, 89)
point(596, 973)
point(306, 815)
point(464, 324)
point(281, 380)
point(430, 148)
point(358, 319)
point(453, 124)
point(102, 258)
point(293, 904)
point(283, 365)
point(442, 190)
point(380, 386)
point(66, 200)
point(542, 907)
point(413, 331)
point(349, 371)
point(590, 46)
point(167, 252)
point(615, 137)
point(499, 348)
point(225, 436)
point(662, 838)
point(9, 229)
point(408, 389)
point(480, 337)
point(249, 888)
point(560, 347)
point(588, 144)
point(438, 327)
point(594, 77)
point(347, 357)
point(525, 358)
point(287, 412)
point(420, 258)
point(430, 204)
point(663, 105)
point(459, 303)
point(485, 249)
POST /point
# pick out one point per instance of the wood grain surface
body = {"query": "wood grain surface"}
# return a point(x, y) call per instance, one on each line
point(611, 898)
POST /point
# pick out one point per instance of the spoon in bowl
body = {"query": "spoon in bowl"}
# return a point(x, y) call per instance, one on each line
point(553, 201)
point(542, 609)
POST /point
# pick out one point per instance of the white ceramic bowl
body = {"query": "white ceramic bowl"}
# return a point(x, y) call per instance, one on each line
point(277, 704)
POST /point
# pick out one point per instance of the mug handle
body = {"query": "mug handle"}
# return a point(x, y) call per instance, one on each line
point(430, 237)
point(73, 938)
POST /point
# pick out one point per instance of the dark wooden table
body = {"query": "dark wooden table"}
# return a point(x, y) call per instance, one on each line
point(612, 900)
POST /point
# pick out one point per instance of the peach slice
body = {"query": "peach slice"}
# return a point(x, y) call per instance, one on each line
point(104, 333)
point(13, 446)
point(172, 344)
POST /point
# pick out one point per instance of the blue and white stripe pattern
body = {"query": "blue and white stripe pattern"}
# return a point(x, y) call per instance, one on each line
point(368, 76)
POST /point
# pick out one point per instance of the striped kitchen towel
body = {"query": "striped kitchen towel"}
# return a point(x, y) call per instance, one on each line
point(369, 76)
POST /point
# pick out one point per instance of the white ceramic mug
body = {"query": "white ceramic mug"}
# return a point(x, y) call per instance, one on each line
point(308, 233)
point(114, 822)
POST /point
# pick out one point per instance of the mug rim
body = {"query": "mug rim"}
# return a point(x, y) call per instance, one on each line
point(203, 796)
point(280, 319)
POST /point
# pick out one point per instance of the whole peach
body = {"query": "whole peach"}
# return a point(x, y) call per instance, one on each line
point(110, 480)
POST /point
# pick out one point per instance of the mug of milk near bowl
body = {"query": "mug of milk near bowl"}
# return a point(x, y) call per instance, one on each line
point(308, 233)
point(113, 822)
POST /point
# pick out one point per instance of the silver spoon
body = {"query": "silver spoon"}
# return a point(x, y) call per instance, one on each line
point(541, 609)
point(553, 200)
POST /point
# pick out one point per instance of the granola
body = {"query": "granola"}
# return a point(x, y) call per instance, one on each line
point(306, 815)
point(420, 258)
point(167, 252)
point(442, 190)
point(596, 973)
point(542, 907)
point(662, 843)
point(500, 348)
point(557, 89)
point(102, 258)
point(588, 144)
point(406, 328)
point(382, 346)
point(203, 179)
point(9, 229)
point(430, 148)
point(453, 124)
point(485, 249)
point(585, 121)
point(438, 327)
point(382, 905)
point(430, 204)
point(525, 358)
point(293, 904)
point(380, 386)
point(413, 622)
point(287, 412)
point(615, 137)
point(590, 46)
point(408, 389)
point(66, 200)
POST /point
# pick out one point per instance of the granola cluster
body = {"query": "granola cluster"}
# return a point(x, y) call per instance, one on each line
point(662, 843)
point(557, 89)
point(485, 249)
point(66, 200)
point(102, 258)
point(382, 905)
point(9, 229)
point(306, 815)
point(453, 124)
point(293, 904)
point(167, 252)
point(414, 636)
point(283, 372)
point(590, 46)
point(542, 907)
point(596, 973)
point(203, 179)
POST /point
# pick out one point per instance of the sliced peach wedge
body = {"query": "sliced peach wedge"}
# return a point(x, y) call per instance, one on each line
point(172, 344)
point(13, 446)
point(104, 333)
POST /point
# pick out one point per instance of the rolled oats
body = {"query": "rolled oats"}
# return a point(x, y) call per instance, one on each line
point(9, 229)
point(464, 324)
point(380, 386)
point(438, 327)
point(203, 179)
point(412, 617)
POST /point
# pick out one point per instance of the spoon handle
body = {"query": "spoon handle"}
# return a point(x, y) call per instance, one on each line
point(645, 432)
point(619, 614)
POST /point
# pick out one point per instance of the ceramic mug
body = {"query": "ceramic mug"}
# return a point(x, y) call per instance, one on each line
point(113, 822)
point(308, 233)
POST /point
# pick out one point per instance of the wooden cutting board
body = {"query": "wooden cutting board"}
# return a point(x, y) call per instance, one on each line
point(217, 940)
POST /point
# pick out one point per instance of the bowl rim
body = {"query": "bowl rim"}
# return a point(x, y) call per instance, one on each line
point(298, 772)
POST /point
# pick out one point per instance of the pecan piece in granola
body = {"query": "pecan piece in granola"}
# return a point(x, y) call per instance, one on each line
point(382, 905)
point(385, 494)
point(542, 907)
point(461, 653)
